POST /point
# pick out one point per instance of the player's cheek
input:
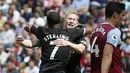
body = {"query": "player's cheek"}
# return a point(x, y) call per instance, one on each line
point(68, 21)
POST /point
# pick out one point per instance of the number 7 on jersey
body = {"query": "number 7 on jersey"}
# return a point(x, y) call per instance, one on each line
point(53, 51)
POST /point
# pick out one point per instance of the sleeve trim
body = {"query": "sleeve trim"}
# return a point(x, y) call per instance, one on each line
point(110, 44)
point(84, 31)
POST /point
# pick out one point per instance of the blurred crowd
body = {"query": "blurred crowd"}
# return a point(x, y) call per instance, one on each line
point(15, 14)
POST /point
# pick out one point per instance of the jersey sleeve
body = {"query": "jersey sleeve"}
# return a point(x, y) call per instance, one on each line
point(77, 31)
point(81, 32)
point(81, 36)
point(84, 41)
point(113, 37)
point(35, 30)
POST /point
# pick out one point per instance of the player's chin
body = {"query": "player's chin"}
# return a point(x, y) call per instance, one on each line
point(118, 25)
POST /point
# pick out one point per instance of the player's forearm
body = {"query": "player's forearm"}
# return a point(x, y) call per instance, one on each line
point(79, 48)
point(106, 62)
point(27, 43)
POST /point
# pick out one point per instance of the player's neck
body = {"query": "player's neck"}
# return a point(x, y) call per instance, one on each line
point(110, 21)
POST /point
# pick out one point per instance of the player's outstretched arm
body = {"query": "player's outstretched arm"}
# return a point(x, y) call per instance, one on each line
point(79, 48)
point(23, 42)
point(107, 58)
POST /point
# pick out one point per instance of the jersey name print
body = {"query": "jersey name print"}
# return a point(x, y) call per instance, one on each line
point(55, 36)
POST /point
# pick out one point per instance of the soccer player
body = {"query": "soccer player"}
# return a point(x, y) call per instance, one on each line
point(71, 21)
point(73, 66)
point(105, 41)
point(55, 57)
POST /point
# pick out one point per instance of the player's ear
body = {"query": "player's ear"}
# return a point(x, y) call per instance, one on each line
point(115, 15)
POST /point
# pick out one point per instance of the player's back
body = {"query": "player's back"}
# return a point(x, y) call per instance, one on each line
point(55, 58)
point(51, 51)
point(55, 33)
point(98, 41)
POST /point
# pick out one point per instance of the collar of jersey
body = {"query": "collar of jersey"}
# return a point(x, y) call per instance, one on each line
point(108, 23)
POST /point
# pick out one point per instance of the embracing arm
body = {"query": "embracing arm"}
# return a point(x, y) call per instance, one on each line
point(78, 48)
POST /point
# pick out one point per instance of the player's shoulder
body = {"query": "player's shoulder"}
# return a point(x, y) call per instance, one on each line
point(72, 29)
point(114, 33)
point(77, 30)
point(81, 26)
point(115, 30)
point(113, 37)
point(107, 25)
point(40, 29)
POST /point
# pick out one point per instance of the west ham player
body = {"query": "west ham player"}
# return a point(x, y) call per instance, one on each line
point(55, 57)
point(106, 41)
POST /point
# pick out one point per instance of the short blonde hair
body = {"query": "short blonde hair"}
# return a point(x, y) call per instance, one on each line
point(72, 12)
point(69, 12)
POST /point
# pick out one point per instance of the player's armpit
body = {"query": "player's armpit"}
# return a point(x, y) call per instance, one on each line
point(107, 58)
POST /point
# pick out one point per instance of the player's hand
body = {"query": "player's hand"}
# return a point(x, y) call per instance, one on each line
point(19, 39)
point(61, 42)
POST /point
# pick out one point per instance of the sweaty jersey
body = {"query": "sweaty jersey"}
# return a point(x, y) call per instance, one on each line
point(53, 56)
point(105, 34)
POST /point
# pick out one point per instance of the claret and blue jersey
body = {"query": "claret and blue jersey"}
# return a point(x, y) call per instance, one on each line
point(105, 34)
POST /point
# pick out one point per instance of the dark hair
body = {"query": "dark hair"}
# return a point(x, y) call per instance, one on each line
point(113, 7)
point(53, 18)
